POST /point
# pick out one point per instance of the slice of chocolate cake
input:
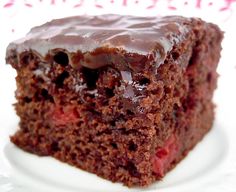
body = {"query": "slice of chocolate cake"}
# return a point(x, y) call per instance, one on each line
point(123, 97)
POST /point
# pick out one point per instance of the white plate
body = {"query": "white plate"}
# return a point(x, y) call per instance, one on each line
point(211, 166)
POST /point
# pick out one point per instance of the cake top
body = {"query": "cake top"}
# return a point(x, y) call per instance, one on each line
point(93, 34)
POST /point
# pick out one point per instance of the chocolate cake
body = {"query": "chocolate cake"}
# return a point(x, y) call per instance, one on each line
point(123, 97)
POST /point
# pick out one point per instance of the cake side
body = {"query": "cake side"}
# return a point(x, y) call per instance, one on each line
point(131, 120)
point(195, 113)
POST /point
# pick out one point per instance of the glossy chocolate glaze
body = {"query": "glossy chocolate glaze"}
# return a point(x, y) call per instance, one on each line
point(96, 41)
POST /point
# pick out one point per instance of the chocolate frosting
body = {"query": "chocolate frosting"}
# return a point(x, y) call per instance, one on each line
point(96, 38)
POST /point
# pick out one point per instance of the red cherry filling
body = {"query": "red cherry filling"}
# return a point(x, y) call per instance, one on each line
point(165, 155)
point(63, 115)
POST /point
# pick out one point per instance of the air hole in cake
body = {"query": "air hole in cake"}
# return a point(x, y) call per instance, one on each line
point(46, 96)
point(132, 146)
point(209, 77)
point(175, 55)
point(132, 169)
point(109, 92)
point(129, 112)
point(61, 58)
point(144, 81)
point(27, 99)
point(61, 78)
point(113, 123)
point(193, 59)
point(44, 93)
point(166, 61)
point(54, 146)
point(114, 145)
point(25, 59)
point(90, 77)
